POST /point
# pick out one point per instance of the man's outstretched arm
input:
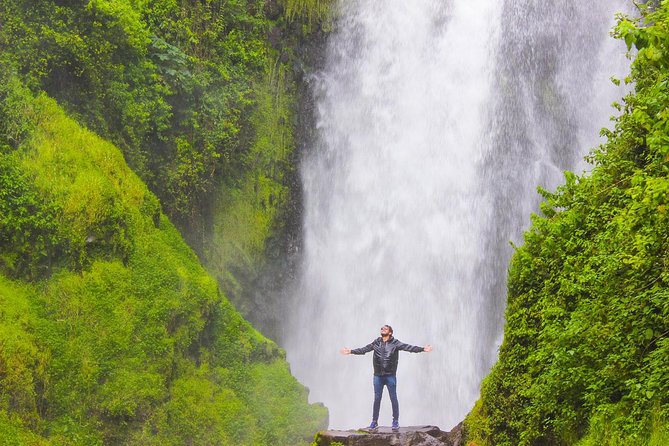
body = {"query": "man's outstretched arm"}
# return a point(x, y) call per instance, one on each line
point(357, 351)
point(414, 348)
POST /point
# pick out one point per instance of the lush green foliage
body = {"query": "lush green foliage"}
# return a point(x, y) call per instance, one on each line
point(250, 210)
point(586, 347)
point(124, 339)
point(199, 96)
point(111, 331)
point(312, 10)
point(173, 84)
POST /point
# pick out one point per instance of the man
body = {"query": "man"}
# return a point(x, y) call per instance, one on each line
point(386, 355)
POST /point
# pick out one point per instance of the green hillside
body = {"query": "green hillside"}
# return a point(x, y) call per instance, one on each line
point(199, 96)
point(111, 331)
point(585, 357)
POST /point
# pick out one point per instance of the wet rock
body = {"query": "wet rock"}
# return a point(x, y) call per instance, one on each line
point(275, 36)
point(273, 9)
point(384, 436)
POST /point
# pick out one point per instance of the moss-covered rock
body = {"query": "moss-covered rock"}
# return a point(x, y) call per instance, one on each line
point(122, 337)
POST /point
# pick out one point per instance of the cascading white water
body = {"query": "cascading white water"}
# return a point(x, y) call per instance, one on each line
point(437, 120)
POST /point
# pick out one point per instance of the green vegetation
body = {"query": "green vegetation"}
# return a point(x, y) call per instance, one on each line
point(188, 91)
point(319, 441)
point(586, 348)
point(199, 96)
point(111, 332)
point(311, 10)
point(250, 210)
point(169, 85)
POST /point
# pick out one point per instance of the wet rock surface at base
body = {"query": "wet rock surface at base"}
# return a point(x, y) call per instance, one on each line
point(384, 436)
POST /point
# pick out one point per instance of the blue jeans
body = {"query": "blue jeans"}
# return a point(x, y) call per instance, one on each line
point(389, 381)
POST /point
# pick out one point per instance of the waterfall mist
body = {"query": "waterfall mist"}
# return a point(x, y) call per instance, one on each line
point(437, 119)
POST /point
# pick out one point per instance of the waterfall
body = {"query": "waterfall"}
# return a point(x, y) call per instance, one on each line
point(436, 119)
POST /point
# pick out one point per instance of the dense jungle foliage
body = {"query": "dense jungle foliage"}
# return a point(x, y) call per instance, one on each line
point(199, 96)
point(585, 357)
point(111, 331)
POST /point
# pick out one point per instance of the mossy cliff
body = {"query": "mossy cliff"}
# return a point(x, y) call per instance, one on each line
point(201, 99)
point(111, 330)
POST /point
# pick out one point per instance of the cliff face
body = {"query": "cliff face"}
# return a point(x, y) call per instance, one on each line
point(253, 237)
point(113, 333)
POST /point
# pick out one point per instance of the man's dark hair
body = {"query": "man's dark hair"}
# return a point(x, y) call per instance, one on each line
point(389, 328)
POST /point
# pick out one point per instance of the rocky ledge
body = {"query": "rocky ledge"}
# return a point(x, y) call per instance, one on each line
point(385, 436)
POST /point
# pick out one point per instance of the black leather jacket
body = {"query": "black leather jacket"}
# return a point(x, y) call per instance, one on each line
point(386, 354)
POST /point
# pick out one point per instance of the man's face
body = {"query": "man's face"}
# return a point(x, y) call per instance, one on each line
point(385, 331)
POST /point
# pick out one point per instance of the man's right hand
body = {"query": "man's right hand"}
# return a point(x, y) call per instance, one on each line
point(345, 351)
